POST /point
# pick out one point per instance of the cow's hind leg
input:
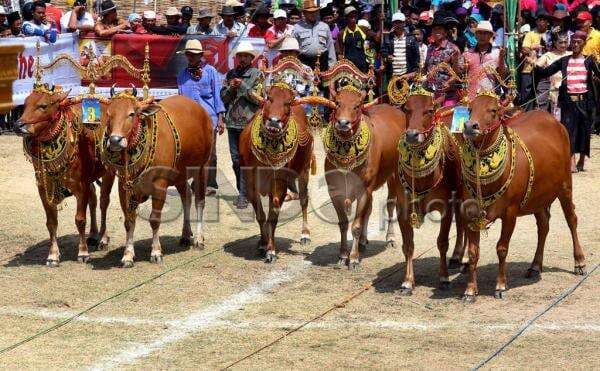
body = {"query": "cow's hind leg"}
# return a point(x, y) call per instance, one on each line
point(199, 203)
point(390, 236)
point(542, 219)
point(443, 243)
point(186, 201)
point(303, 190)
point(566, 202)
point(460, 246)
point(107, 184)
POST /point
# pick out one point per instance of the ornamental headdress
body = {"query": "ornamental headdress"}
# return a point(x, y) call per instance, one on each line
point(344, 75)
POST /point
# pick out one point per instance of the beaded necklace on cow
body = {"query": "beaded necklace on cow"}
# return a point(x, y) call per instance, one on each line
point(56, 148)
point(494, 157)
point(349, 153)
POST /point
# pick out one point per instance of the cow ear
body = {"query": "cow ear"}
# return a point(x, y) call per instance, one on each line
point(150, 110)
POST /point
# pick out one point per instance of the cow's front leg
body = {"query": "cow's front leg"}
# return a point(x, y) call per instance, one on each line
point(129, 223)
point(83, 255)
point(158, 201)
point(363, 207)
point(53, 259)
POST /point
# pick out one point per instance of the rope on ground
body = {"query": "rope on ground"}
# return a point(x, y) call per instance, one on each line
point(122, 292)
point(523, 328)
point(366, 287)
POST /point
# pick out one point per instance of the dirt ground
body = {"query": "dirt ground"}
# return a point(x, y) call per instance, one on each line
point(213, 307)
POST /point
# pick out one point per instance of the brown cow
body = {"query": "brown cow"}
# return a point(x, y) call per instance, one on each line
point(524, 165)
point(51, 123)
point(277, 147)
point(361, 155)
point(429, 179)
point(169, 139)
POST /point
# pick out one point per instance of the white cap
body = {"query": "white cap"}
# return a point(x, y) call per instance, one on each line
point(364, 23)
point(149, 14)
point(279, 13)
point(2, 10)
point(485, 26)
point(289, 43)
point(398, 16)
point(172, 11)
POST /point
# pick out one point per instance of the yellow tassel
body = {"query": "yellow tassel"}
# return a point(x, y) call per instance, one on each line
point(313, 165)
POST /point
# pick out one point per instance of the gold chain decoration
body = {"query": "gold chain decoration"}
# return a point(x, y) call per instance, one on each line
point(492, 161)
point(347, 154)
point(420, 161)
point(51, 159)
point(397, 96)
point(274, 152)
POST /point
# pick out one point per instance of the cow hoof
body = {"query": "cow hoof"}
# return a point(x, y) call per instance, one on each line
point(305, 241)
point(454, 264)
point(103, 245)
point(354, 265)
point(83, 259)
point(444, 285)
point(51, 263)
point(127, 264)
point(92, 242)
point(270, 258)
point(499, 294)
point(341, 263)
point(198, 245)
point(580, 271)
point(469, 299)
point(406, 291)
point(156, 259)
point(390, 244)
point(533, 274)
point(185, 242)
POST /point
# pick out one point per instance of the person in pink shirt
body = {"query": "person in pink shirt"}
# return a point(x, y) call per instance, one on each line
point(478, 60)
point(260, 23)
point(279, 31)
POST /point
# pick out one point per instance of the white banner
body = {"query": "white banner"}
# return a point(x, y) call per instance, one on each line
point(63, 75)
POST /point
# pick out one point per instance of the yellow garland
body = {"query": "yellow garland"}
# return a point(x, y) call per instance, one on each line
point(347, 154)
point(274, 152)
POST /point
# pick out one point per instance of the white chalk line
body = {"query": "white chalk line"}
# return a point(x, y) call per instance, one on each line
point(283, 325)
point(202, 319)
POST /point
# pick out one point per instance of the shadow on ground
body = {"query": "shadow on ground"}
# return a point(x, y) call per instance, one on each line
point(247, 248)
point(329, 254)
point(389, 279)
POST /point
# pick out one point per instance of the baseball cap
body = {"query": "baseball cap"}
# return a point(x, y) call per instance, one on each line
point(279, 13)
point(364, 23)
point(584, 16)
point(399, 17)
point(424, 16)
point(149, 14)
point(187, 10)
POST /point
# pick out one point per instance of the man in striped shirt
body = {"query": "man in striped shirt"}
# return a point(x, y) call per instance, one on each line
point(400, 51)
point(575, 96)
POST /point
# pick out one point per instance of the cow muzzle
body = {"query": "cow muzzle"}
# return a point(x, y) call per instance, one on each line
point(472, 129)
point(21, 129)
point(274, 126)
point(117, 143)
point(414, 137)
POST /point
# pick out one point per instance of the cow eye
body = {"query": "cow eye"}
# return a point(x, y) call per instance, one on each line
point(131, 114)
point(430, 112)
point(42, 106)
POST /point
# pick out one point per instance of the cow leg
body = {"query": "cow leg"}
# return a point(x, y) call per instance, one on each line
point(107, 184)
point(472, 290)
point(364, 240)
point(93, 237)
point(443, 243)
point(199, 203)
point(456, 261)
point(390, 236)
point(508, 227)
point(271, 226)
point(129, 252)
point(340, 209)
point(566, 202)
point(80, 219)
point(186, 201)
point(303, 191)
point(256, 202)
point(362, 210)
point(542, 219)
point(53, 259)
point(158, 201)
point(408, 248)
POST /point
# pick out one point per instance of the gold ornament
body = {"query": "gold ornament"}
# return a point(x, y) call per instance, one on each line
point(347, 154)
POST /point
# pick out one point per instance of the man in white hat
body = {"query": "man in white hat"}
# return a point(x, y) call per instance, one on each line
point(279, 31)
point(400, 51)
point(241, 107)
point(475, 61)
point(203, 27)
point(201, 82)
point(173, 26)
point(149, 20)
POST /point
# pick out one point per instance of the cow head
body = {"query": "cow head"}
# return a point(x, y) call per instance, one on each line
point(348, 112)
point(485, 115)
point(123, 117)
point(40, 111)
point(420, 110)
point(277, 108)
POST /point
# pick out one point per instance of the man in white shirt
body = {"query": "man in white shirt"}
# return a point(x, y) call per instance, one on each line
point(77, 19)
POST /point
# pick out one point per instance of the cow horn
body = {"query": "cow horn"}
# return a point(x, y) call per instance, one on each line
point(133, 90)
point(374, 102)
point(314, 99)
point(52, 88)
point(112, 90)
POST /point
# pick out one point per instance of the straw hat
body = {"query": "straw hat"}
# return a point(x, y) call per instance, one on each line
point(246, 47)
point(289, 44)
point(172, 12)
point(193, 46)
point(310, 6)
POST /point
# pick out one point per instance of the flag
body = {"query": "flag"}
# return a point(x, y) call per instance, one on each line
point(394, 6)
point(510, 12)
